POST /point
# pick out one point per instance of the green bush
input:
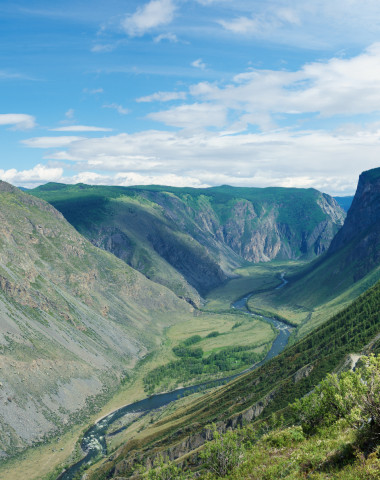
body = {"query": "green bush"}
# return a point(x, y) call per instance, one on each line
point(284, 438)
point(164, 471)
point(224, 453)
point(353, 396)
point(213, 334)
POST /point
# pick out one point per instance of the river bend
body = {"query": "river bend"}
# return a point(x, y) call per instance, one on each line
point(94, 439)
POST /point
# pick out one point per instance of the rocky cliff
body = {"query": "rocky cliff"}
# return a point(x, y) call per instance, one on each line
point(191, 239)
point(361, 230)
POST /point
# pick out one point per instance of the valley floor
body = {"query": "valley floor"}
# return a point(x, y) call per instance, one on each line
point(218, 327)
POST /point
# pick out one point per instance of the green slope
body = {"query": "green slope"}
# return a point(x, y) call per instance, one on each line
point(348, 268)
point(191, 239)
point(268, 389)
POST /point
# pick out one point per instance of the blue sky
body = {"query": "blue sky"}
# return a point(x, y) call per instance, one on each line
point(190, 92)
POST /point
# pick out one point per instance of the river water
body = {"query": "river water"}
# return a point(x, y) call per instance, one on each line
point(94, 439)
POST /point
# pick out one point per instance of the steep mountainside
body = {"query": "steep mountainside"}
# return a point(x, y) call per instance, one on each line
point(73, 320)
point(268, 389)
point(191, 239)
point(349, 267)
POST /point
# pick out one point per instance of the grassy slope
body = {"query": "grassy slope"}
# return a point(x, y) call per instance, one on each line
point(255, 278)
point(287, 454)
point(333, 280)
point(184, 238)
point(321, 351)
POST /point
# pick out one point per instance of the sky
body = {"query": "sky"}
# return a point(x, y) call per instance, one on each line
point(192, 93)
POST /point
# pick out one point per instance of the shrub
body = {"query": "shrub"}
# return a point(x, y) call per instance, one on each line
point(354, 396)
point(224, 452)
point(213, 334)
point(164, 471)
point(284, 438)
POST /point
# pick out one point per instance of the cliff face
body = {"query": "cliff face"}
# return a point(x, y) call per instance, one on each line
point(73, 320)
point(361, 230)
point(191, 239)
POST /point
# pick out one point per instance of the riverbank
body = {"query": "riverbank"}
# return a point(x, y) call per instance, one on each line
point(94, 440)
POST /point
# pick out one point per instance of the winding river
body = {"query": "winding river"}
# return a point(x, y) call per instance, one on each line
point(94, 439)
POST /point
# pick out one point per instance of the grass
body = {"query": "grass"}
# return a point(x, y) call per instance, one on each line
point(330, 454)
point(250, 332)
point(254, 278)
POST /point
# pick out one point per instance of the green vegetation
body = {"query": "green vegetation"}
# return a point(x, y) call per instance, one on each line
point(192, 366)
point(192, 239)
point(271, 388)
point(339, 437)
point(254, 278)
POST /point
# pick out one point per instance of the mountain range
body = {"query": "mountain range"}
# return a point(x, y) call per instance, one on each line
point(92, 277)
point(191, 240)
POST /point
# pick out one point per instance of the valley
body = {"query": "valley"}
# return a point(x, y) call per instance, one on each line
point(157, 290)
point(58, 451)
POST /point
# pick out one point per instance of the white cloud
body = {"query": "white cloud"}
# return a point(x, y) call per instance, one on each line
point(162, 97)
point(50, 142)
point(104, 47)
point(18, 121)
point(170, 37)
point(195, 116)
point(80, 128)
point(131, 178)
point(198, 64)
point(33, 177)
point(282, 158)
point(240, 25)
point(119, 108)
point(320, 23)
point(148, 17)
point(339, 86)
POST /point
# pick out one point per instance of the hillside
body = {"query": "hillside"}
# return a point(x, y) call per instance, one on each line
point(348, 268)
point(266, 390)
point(192, 239)
point(74, 320)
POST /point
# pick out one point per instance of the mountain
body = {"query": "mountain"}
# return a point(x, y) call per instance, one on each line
point(349, 267)
point(191, 239)
point(74, 320)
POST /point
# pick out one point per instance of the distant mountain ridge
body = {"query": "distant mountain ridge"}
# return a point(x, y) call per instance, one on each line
point(191, 239)
point(344, 202)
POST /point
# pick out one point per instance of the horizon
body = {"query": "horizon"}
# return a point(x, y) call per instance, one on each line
point(147, 186)
point(190, 93)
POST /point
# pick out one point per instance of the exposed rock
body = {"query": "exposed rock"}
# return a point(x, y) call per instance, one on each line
point(73, 319)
